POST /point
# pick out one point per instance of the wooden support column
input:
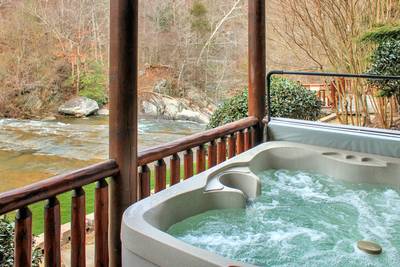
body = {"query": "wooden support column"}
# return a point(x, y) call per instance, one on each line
point(123, 116)
point(257, 64)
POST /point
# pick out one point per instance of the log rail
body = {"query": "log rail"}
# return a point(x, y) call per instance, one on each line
point(211, 148)
point(20, 199)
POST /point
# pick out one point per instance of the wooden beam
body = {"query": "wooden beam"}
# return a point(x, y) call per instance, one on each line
point(123, 115)
point(257, 63)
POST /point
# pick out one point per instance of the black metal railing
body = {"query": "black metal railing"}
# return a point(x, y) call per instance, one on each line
point(319, 74)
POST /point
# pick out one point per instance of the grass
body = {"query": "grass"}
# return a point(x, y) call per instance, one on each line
point(37, 209)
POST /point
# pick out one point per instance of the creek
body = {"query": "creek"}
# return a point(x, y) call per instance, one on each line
point(33, 150)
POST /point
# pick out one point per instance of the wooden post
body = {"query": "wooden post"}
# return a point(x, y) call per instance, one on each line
point(78, 228)
point(123, 115)
point(52, 233)
point(101, 224)
point(23, 238)
point(212, 154)
point(239, 142)
point(200, 159)
point(188, 164)
point(144, 178)
point(221, 147)
point(160, 176)
point(231, 145)
point(247, 139)
point(257, 63)
point(175, 167)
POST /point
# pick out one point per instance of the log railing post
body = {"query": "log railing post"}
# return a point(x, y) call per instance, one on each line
point(221, 147)
point(23, 238)
point(144, 179)
point(123, 116)
point(247, 139)
point(239, 142)
point(200, 159)
point(52, 233)
point(78, 228)
point(212, 154)
point(231, 145)
point(257, 64)
point(188, 164)
point(175, 166)
point(101, 224)
point(160, 176)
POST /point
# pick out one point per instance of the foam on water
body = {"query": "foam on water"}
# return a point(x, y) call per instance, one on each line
point(302, 219)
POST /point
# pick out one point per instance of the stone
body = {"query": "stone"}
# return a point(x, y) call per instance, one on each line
point(172, 107)
point(161, 87)
point(50, 118)
point(369, 247)
point(103, 112)
point(190, 115)
point(148, 108)
point(166, 107)
point(79, 107)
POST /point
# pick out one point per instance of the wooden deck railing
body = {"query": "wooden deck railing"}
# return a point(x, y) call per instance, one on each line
point(215, 146)
point(49, 189)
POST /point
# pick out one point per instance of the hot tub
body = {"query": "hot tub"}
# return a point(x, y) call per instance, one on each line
point(229, 186)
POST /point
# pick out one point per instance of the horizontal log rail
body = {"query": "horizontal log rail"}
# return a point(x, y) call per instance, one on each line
point(21, 197)
point(152, 154)
point(201, 151)
point(204, 150)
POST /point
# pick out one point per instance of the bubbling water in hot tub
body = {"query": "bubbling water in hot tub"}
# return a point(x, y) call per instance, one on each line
point(302, 219)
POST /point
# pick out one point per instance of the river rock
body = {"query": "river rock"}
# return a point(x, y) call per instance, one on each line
point(172, 107)
point(50, 118)
point(191, 115)
point(79, 107)
point(103, 112)
point(149, 108)
point(165, 107)
point(161, 87)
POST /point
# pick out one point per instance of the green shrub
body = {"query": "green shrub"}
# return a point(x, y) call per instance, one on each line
point(230, 111)
point(288, 99)
point(93, 84)
point(7, 245)
point(386, 61)
point(199, 20)
point(165, 17)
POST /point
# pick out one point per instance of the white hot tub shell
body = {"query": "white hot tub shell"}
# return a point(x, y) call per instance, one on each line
point(229, 185)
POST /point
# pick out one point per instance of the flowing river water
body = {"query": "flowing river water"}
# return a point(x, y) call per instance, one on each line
point(32, 150)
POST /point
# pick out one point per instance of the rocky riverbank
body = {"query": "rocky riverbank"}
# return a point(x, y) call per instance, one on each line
point(150, 105)
point(165, 107)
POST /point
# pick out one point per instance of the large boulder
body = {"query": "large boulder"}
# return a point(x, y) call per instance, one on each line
point(165, 107)
point(149, 108)
point(192, 115)
point(103, 112)
point(79, 107)
point(161, 87)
